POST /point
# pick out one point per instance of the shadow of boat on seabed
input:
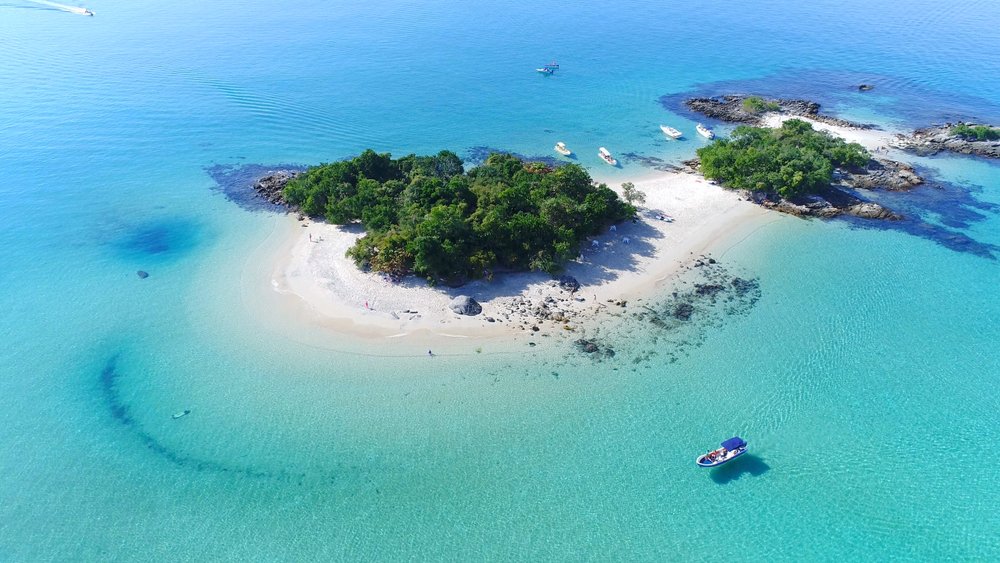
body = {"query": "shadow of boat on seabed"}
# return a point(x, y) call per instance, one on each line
point(748, 464)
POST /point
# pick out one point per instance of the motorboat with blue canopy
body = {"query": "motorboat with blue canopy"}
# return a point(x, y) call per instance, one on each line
point(731, 449)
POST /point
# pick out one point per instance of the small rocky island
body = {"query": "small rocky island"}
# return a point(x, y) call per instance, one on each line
point(795, 169)
point(750, 110)
point(961, 138)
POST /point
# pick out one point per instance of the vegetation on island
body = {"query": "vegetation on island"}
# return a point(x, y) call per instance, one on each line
point(756, 104)
point(975, 132)
point(429, 216)
point(791, 160)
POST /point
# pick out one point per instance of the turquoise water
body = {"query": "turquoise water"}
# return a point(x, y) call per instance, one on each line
point(864, 376)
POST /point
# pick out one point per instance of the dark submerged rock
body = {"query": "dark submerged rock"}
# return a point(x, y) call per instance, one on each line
point(142, 274)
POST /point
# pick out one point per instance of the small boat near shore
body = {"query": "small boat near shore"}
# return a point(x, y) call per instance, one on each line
point(181, 414)
point(671, 132)
point(562, 149)
point(606, 156)
point(730, 450)
point(704, 131)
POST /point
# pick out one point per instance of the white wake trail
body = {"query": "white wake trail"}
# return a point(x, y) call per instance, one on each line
point(64, 7)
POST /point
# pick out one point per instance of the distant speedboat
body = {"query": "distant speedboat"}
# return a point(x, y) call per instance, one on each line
point(606, 156)
point(671, 132)
point(562, 149)
point(730, 450)
point(705, 131)
point(181, 414)
point(545, 70)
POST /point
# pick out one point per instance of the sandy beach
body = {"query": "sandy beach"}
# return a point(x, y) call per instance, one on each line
point(684, 216)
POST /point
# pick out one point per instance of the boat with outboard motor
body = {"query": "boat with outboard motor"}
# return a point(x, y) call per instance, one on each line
point(730, 450)
point(606, 156)
point(562, 149)
point(671, 132)
point(704, 131)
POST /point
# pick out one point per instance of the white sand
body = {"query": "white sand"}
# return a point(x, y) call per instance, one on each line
point(313, 269)
point(870, 139)
point(706, 218)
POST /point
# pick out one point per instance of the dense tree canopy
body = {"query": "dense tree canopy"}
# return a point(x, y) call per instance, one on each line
point(427, 215)
point(791, 160)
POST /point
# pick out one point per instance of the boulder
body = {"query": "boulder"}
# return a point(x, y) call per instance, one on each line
point(569, 283)
point(142, 274)
point(465, 305)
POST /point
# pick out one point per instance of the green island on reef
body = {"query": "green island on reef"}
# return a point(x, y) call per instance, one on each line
point(790, 161)
point(975, 132)
point(429, 216)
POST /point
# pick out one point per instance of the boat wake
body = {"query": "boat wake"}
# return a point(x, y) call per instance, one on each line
point(71, 9)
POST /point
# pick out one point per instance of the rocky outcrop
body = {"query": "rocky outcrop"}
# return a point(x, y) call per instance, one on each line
point(142, 274)
point(732, 109)
point(271, 187)
point(568, 283)
point(832, 202)
point(939, 138)
point(883, 174)
point(465, 305)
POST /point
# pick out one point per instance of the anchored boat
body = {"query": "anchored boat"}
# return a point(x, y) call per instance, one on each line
point(671, 132)
point(606, 156)
point(730, 450)
point(562, 149)
point(705, 131)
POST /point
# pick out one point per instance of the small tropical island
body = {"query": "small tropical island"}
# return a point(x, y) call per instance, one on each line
point(792, 168)
point(792, 158)
point(426, 245)
point(427, 215)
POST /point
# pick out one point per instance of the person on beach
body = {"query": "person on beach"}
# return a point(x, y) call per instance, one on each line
point(429, 353)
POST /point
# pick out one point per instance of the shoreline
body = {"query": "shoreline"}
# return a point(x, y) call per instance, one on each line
point(319, 286)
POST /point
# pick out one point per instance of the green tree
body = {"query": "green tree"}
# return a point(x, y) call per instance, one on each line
point(632, 195)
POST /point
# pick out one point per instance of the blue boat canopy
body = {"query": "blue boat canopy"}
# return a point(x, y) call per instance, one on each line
point(734, 443)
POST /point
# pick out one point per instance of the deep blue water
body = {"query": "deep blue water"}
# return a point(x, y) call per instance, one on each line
point(865, 376)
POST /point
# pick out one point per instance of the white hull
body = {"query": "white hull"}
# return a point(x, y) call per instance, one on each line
point(606, 156)
point(561, 149)
point(671, 132)
point(705, 131)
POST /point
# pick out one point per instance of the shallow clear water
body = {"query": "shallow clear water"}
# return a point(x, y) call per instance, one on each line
point(864, 377)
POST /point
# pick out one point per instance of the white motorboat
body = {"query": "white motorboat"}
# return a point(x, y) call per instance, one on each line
point(606, 156)
point(730, 450)
point(671, 132)
point(181, 414)
point(705, 131)
point(562, 149)
point(545, 70)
